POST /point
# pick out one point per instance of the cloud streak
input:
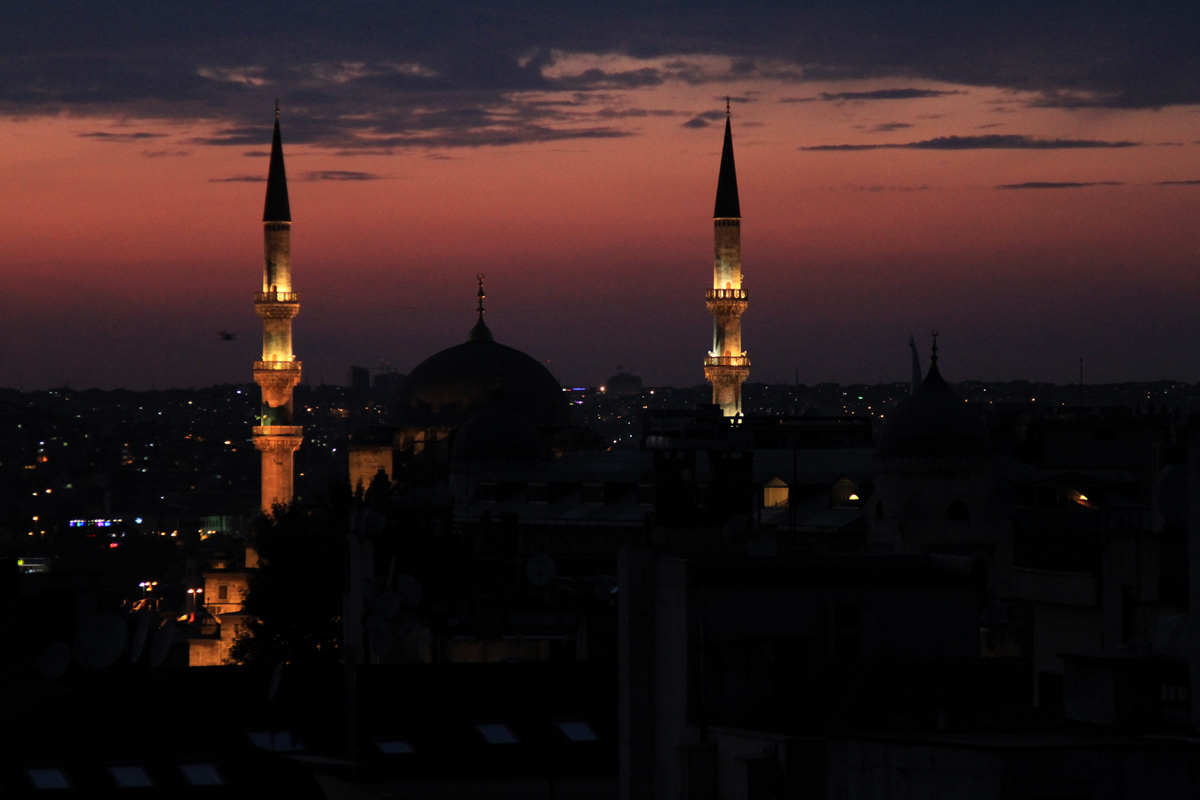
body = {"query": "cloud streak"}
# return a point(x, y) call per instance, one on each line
point(1057, 185)
point(341, 175)
point(985, 142)
point(887, 94)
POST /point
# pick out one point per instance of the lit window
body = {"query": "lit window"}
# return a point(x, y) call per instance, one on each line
point(497, 733)
point(275, 741)
point(201, 774)
point(48, 778)
point(578, 731)
point(393, 747)
point(130, 776)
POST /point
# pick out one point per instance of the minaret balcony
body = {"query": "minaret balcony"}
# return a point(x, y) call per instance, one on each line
point(277, 305)
point(727, 361)
point(725, 302)
point(277, 297)
point(278, 430)
point(276, 366)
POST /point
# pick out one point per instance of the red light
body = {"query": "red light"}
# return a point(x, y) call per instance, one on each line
point(113, 544)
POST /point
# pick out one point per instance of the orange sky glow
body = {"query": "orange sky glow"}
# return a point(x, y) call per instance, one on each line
point(125, 254)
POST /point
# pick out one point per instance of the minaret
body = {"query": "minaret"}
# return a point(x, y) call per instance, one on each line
point(278, 372)
point(727, 364)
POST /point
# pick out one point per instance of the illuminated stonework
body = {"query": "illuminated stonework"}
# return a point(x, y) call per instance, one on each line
point(278, 373)
point(727, 366)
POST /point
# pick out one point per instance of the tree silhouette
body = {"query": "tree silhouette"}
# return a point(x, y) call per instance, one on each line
point(294, 605)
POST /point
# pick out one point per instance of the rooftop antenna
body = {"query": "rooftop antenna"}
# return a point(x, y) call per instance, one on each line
point(480, 294)
point(160, 643)
point(726, 105)
point(933, 357)
point(276, 108)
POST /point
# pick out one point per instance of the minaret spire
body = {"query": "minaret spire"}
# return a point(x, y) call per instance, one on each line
point(727, 365)
point(278, 372)
point(916, 365)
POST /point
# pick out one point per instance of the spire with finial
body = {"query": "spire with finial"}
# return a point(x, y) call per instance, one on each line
point(916, 365)
point(480, 332)
point(276, 208)
point(933, 357)
point(727, 206)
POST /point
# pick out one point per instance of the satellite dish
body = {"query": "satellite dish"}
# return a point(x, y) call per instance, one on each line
point(541, 569)
point(100, 641)
point(762, 546)
point(381, 635)
point(424, 646)
point(160, 643)
point(738, 530)
point(276, 677)
point(53, 661)
point(140, 633)
point(366, 522)
point(409, 591)
point(387, 604)
point(416, 642)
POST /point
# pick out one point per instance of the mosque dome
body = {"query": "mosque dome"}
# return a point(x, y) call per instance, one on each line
point(498, 433)
point(933, 423)
point(449, 387)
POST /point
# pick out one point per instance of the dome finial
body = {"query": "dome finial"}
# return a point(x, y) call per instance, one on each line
point(933, 357)
point(480, 332)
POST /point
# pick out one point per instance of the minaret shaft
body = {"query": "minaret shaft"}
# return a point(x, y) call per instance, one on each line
point(278, 373)
point(727, 365)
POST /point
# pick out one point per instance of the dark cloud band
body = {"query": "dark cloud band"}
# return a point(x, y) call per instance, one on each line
point(985, 142)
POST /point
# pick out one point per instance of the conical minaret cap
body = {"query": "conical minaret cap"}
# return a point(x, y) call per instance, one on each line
point(727, 192)
point(276, 208)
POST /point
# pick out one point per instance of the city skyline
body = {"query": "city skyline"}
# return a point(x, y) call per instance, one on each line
point(1034, 216)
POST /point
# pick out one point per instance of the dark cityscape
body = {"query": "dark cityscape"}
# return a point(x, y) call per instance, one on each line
point(592, 525)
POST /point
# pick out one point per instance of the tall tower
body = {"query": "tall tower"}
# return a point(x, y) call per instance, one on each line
point(727, 364)
point(279, 371)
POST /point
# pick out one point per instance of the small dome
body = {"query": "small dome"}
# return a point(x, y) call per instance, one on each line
point(498, 434)
point(933, 423)
point(450, 386)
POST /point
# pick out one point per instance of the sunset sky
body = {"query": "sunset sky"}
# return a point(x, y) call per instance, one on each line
point(1025, 180)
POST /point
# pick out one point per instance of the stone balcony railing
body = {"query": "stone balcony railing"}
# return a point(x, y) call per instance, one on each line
point(725, 294)
point(277, 366)
point(277, 297)
point(278, 430)
point(727, 361)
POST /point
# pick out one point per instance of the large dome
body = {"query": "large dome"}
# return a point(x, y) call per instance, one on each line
point(450, 386)
point(499, 434)
point(933, 423)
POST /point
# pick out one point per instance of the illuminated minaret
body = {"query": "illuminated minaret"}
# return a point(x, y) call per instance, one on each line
point(278, 372)
point(727, 364)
